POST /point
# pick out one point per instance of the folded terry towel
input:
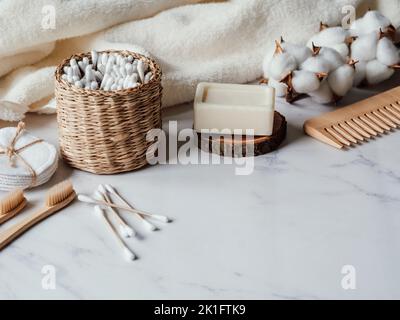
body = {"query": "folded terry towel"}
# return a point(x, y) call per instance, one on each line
point(221, 41)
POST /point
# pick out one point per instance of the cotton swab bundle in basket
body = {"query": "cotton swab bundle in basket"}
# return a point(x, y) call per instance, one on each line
point(104, 131)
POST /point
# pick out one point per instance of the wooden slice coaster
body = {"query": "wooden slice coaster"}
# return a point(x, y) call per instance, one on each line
point(231, 146)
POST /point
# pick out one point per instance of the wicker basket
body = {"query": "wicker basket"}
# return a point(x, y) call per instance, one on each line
point(104, 132)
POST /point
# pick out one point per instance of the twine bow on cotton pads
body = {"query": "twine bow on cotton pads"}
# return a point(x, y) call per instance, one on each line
point(37, 159)
point(11, 152)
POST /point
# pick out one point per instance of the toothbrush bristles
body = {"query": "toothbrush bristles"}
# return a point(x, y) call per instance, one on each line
point(59, 193)
point(11, 201)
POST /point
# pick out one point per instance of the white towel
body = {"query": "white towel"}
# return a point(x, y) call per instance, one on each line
point(42, 157)
point(223, 41)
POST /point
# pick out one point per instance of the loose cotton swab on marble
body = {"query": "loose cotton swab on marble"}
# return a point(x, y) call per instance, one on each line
point(124, 228)
point(144, 222)
point(140, 213)
point(129, 255)
point(90, 200)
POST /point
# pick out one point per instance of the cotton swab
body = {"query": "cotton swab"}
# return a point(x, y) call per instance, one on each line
point(161, 218)
point(129, 255)
point(125, 230)
point(87, 199)
point(149, 226)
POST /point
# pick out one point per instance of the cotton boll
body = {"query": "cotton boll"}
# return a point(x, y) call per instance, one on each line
point(360, 73)
point(324, 94)
point(316, 64)
point(279, 67)
point(328, 37)
point(357, 28)
point(377, 72)
point(364, 48)
point(387, 53)
point(299, 52)
point(341, 80)
point(374, 21)
point(280, 88)
point(333, 57)
point(305, 81)
point(342, 49)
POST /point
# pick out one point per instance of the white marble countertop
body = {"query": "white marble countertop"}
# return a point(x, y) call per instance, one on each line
point(286, 231)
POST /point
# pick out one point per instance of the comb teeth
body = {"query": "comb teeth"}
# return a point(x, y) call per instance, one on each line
point(11, 201)
point(359, 122)
point(59, 193)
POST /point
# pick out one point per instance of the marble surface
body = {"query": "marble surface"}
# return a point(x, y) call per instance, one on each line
point(283, 232)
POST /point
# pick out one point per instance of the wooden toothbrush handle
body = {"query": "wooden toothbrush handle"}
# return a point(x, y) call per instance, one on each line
point(9, 235)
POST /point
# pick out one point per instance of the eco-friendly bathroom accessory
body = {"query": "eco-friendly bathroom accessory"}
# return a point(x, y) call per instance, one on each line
point(104, 132)
point(105, 189)
point(25, 161)
point(107, 72)
point(158, 217)
point(244, 146)
point(88, 199)
point(358, 122)
point(57, 198)
point(234, 106)
point(11, 205)
point(129, 255)
point(124, 228)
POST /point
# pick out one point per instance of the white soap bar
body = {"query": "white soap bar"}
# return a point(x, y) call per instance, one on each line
point(232, 106)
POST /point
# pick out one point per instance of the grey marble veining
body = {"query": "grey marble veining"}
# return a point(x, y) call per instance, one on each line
point(284, 232)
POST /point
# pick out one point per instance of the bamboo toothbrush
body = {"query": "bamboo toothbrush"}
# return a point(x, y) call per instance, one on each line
point(127, 252)
point(108, 189)
point(125, 230)
point(87, 199)
point(57, 198)
point(11, 205)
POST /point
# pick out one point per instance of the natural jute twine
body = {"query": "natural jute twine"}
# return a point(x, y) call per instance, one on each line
point(10, 151)
point(104, 132)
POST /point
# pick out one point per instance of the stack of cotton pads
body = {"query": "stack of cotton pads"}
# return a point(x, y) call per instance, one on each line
point(42, 157)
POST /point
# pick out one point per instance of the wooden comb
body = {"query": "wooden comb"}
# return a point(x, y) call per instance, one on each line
point(357, 122)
